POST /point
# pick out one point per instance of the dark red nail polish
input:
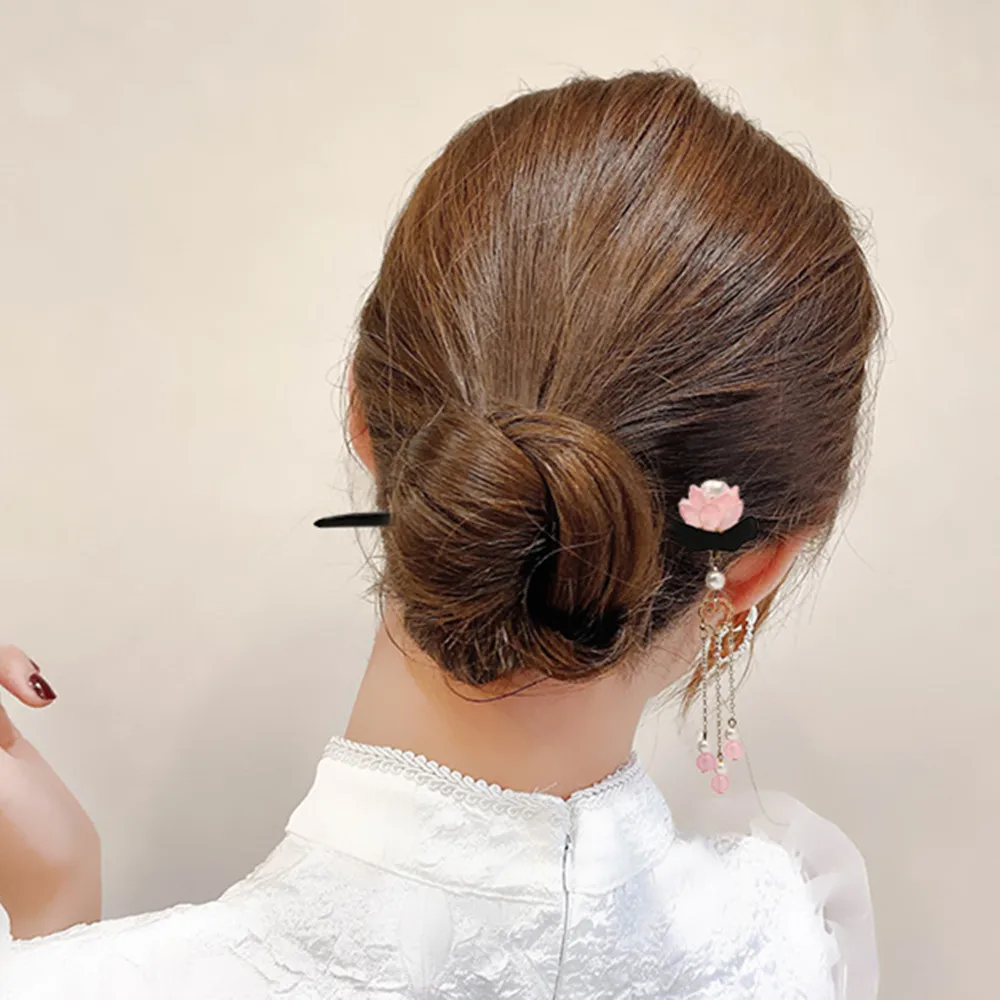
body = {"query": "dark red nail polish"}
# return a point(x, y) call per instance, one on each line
point(41, 687)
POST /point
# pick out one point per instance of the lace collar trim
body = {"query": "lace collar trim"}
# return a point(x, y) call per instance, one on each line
point(434, 774)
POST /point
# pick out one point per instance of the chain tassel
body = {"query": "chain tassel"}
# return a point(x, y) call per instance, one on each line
point(717, 655)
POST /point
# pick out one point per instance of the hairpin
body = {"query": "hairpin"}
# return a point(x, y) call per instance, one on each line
point(364, 519)
point(711, 516)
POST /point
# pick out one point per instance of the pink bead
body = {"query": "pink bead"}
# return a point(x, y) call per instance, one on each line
point(706, 762)
point(720, 782)
point(732, 749)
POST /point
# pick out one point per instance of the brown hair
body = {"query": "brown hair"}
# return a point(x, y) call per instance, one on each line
point(596, 295)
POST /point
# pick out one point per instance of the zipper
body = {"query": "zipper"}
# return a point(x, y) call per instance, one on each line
point(565, 928)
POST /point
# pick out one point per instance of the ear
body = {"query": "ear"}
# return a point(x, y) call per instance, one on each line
point(357, 429)
point(752, 576)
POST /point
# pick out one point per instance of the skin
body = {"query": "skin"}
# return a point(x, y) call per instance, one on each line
point(552, 737)
point(50, 854)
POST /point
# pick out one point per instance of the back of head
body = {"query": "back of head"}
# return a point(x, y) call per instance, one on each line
point(595, 296)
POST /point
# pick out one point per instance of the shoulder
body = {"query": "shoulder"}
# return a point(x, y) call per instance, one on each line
point(752, 876)
point(776, 880)
point(775, 875)
point(790, 884)
point(226, 949)
point(744, 903)
point(187, 950)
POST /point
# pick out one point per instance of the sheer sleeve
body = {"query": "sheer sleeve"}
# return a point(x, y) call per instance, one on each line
point(831, 867)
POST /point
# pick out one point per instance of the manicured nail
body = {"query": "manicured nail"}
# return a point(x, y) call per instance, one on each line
point(41, 687)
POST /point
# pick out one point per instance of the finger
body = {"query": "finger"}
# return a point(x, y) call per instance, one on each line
point(21, 676)
point(8, 731)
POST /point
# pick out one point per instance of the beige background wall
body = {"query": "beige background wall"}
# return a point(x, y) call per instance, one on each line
point(193, 197)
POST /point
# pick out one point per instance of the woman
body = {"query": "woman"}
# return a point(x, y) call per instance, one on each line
point(609, 385)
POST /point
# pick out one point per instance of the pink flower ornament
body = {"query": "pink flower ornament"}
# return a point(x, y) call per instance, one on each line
point(713, 506)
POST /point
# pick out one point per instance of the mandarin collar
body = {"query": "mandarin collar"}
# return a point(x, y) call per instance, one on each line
point(398, 811)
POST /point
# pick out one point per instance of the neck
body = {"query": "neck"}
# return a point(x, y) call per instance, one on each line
point(553, 737)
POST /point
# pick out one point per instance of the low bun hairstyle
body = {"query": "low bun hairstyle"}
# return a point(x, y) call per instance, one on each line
point(522, 536)
point(596, 295)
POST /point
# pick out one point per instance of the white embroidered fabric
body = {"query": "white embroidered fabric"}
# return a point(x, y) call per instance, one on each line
point(399, 878)
point(832, 867)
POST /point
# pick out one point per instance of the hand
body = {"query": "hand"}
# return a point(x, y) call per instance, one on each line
point(50, 854)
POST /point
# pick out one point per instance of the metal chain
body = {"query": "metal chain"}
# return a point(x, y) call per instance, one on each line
point(718, 701)
point(706, 642)
point(732, 693)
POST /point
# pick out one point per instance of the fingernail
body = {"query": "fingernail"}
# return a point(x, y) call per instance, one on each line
point(41, 686)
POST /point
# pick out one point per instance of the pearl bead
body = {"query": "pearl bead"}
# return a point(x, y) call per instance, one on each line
point(713, 487)
point(715, 579)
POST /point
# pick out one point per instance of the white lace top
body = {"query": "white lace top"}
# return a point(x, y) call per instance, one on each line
point(399, 878)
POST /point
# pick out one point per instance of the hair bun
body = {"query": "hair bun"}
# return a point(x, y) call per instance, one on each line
point(522, 539)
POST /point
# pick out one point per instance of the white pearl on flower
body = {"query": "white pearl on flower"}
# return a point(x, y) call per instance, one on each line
point(713, 487)
point(715, 579)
